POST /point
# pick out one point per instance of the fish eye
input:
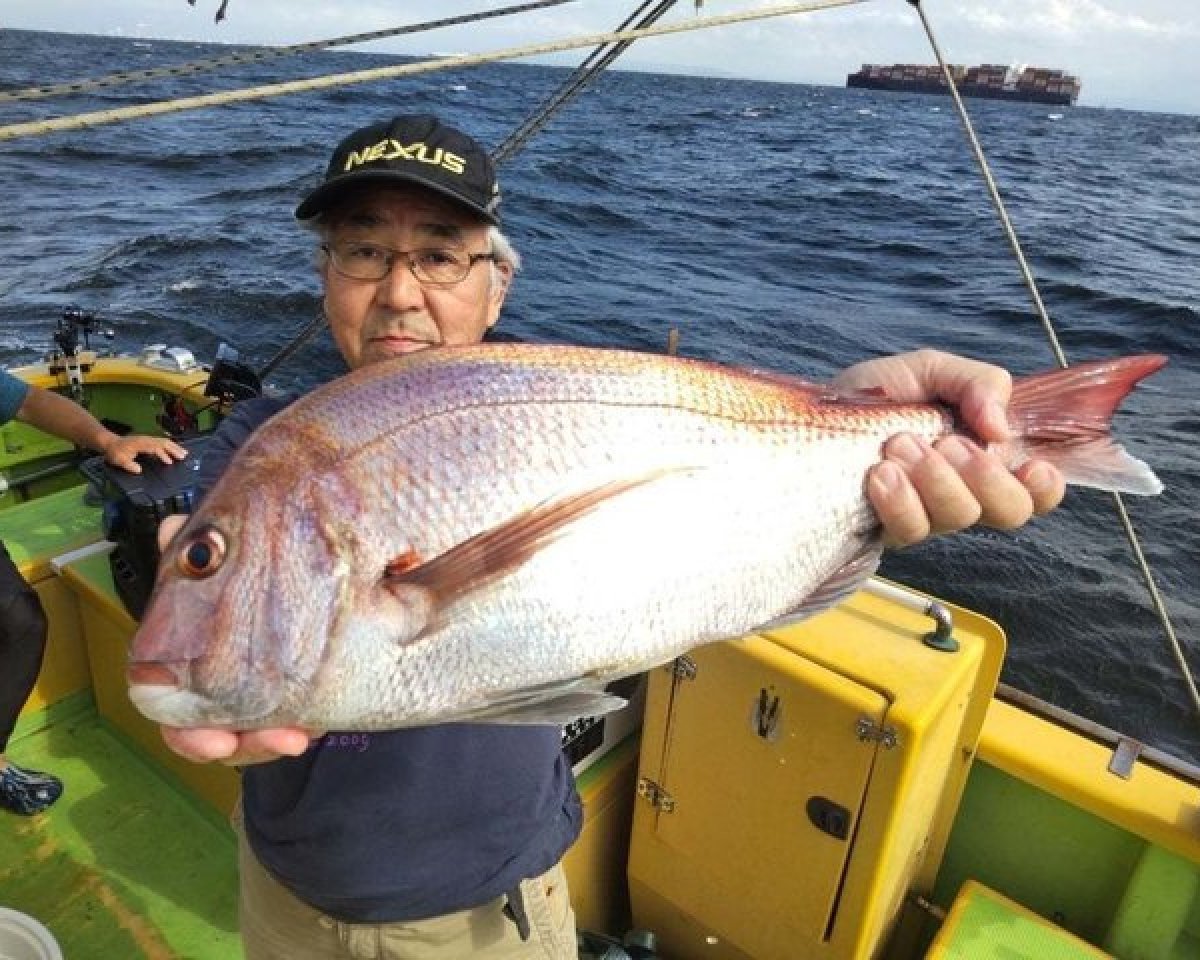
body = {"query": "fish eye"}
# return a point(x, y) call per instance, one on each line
point(203, 553)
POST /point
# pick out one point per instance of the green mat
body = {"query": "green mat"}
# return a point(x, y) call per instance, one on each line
point(123, 865)
point(48, 526)
point(983, 925)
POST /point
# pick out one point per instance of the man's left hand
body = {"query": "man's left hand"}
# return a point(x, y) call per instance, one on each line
point(922, 489)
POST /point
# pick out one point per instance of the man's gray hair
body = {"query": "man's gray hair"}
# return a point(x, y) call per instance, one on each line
point(505, 252)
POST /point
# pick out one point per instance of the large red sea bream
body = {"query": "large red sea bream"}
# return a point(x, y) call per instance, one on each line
point(497, 532)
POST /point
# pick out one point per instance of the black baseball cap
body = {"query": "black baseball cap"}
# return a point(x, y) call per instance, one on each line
point(419, 150)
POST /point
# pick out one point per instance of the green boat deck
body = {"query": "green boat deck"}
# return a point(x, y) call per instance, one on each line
point(125, 864)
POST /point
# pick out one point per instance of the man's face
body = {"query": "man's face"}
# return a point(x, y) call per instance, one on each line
point(375, 319)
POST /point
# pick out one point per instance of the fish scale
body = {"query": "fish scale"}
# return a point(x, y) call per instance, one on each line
point(498, 532)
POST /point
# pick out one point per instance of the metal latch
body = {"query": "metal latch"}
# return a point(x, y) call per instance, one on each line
point(868, 730)
point(1125, 757)
point(766, 715)
point(659, 798)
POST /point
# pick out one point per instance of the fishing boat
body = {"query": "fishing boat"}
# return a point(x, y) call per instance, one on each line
point(856, 786)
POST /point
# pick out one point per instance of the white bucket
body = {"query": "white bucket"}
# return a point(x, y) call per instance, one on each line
point(23, 938)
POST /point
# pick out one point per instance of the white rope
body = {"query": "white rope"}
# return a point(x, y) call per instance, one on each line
point(262, 54)
point(100, 117)
point(1143, 565)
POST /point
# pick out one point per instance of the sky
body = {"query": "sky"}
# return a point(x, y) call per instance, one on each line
point(1134, 54)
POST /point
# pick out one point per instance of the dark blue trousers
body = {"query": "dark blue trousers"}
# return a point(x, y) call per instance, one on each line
point(22, 643)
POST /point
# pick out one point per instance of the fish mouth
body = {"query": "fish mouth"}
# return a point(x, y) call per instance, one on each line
point(157, 673)
point(160, 691)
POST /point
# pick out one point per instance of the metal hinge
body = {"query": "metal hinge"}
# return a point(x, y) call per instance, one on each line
point(658, 797)
point(868, 729)
point(683, 668)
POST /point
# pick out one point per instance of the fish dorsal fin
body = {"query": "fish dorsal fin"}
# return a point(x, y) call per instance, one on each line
point(841, 584)
point(495, 553)
point(822, 392)
point(788, 380)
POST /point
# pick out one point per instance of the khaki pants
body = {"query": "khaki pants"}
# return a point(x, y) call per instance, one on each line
point(276, 925)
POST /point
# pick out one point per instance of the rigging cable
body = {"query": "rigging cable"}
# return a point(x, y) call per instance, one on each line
point(582, 75)
point(1052, 335)
point(595, 63)
point(263, 54)
point(97, 118)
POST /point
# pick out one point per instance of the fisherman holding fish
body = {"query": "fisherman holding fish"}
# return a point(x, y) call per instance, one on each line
point(23, 627)
point(445, 840)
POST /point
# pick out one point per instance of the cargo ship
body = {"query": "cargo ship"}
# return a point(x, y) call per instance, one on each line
point(1030, 84)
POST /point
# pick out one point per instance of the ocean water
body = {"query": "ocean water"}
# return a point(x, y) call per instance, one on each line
point(790, 227)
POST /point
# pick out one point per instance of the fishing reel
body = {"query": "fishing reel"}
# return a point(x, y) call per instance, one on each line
point(70, 356)
point(77, 324)
point(230, 380)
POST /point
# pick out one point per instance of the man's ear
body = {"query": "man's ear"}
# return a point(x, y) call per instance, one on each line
point(503, 275)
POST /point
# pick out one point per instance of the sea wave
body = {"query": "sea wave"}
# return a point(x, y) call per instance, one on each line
point(772, 225)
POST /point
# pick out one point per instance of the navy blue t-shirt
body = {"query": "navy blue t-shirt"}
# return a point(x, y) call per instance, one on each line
point(404, 824)
point(13, 391)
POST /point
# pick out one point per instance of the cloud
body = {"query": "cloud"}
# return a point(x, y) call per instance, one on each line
point(1074, 19)
point(1136, 53)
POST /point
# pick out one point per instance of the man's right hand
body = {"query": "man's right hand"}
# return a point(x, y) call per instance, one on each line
point(168, 528)
point(234, 747)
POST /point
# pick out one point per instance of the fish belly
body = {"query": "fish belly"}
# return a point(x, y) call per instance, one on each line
point(695, 554)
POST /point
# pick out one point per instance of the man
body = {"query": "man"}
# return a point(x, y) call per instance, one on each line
point(23, 626)
point(445, 841)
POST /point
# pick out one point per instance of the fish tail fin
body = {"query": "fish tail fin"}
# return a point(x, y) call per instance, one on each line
point(1064, 417)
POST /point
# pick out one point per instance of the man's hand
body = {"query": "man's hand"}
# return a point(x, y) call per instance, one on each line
point(237, 748)
point(921, 489)
point(121, 451)
point(234, 747)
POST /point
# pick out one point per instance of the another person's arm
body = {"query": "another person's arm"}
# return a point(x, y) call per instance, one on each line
point(55, 414)
point(920, 489)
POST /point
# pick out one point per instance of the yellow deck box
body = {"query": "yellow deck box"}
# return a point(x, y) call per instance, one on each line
point(795, 786)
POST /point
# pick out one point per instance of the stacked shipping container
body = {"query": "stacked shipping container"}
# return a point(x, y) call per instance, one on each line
point(1037, 84)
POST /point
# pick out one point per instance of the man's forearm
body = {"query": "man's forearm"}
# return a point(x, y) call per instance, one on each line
point(55, 414)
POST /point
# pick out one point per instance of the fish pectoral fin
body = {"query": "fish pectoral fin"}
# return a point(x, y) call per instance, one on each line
point(495, 553)
point(556, 704)
point(843, 582)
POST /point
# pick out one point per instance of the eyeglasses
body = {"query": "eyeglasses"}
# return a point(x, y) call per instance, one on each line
point(433, 267)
